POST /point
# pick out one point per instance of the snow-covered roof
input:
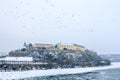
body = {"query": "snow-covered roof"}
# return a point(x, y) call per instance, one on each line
point(17, 59)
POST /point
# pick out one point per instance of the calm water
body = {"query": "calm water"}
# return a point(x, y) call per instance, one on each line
point(111, 74)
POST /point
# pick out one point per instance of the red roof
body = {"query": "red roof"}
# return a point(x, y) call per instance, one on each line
point(43, 44)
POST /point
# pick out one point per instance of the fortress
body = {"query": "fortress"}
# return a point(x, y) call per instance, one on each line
point(60, 46)
point(49, 56)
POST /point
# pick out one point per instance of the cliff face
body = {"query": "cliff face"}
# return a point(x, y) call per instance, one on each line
point(63, 58)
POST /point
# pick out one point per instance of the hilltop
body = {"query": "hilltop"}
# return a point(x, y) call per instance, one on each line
point(60, 55)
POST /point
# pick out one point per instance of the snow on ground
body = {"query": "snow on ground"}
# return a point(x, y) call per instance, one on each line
point(35, 73)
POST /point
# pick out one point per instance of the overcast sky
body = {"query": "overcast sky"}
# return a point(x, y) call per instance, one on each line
point(94, 24)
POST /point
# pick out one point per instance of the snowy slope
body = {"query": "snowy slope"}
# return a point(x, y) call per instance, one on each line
point(35, 73)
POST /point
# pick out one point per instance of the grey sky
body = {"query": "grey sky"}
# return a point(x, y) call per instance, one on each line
point(92, 23)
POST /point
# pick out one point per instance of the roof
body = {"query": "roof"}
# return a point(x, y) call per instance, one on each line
point(17, 59)
point(38, 44)
point(79, 45)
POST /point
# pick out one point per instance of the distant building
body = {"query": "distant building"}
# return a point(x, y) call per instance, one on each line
point(70, 47)
point(38, 45)
point(16, 59)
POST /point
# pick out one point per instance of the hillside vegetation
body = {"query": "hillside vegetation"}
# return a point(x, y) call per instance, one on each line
point(62, 58)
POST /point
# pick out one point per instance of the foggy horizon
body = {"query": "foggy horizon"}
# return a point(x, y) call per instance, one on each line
point(93, 24)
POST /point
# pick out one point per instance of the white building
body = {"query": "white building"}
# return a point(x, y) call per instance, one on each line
point(17, 59)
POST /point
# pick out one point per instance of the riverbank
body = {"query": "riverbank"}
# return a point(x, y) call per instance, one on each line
point(35, 73)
